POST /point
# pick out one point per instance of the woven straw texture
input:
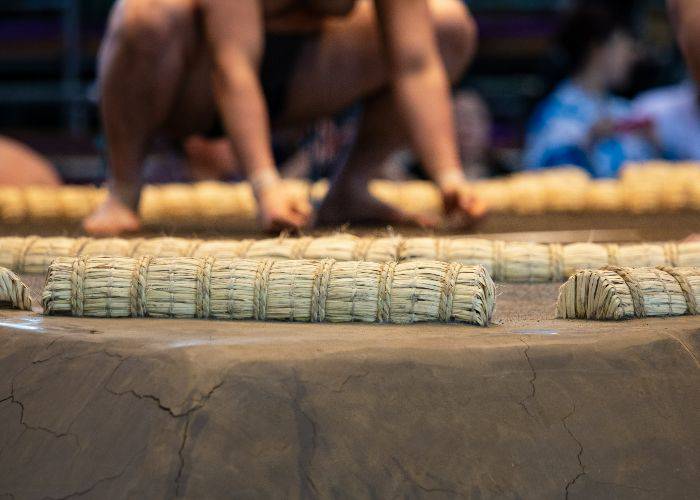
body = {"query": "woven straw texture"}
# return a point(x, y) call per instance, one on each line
point(616, 293)
point(13, 292)
point(243, 289)
point(650, 187)
point(505, 261)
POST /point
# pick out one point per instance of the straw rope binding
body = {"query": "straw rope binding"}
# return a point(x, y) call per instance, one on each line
point(505, 261)
point(279, 290)
point(615, 293)
point(647, 187)
point(13, 292)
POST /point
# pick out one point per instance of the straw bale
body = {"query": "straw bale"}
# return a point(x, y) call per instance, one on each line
point(653, 186)
point(13, 292)
point(505, 261)
point(411, 196)
point(604, 195)
point(494, 193)
point(269, 289)
point(615, 293)
point(659, 185)
point(687, 254)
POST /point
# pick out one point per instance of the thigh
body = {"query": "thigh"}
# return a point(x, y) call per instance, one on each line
point(336, 67)
point(194, 110)
point(345, 62)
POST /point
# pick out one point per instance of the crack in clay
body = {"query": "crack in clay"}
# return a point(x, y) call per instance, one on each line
point(412, 480)
point(348, 379)
point(582, 467)
point(56, 434)
point(198, 405)
point(307, 445)
point(49, 346)
point(45, 360)
point(533, 389)
point(185, 434)
point(181, 456)
point(12, 399)
point(186, 415)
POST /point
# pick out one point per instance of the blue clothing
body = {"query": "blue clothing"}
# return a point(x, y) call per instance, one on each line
point(558, 133)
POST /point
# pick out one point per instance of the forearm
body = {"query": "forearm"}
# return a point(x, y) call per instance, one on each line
point(244, 112)
point(421, 86)
point(424, 100)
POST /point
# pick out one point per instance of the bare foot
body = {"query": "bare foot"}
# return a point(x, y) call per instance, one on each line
point(463, 209)
point(355, 205)
point(111, 219)
point(693, 238)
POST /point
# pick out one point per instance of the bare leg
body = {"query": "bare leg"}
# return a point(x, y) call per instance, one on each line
point(344, 66)
point(348, 199)
point(141, 70)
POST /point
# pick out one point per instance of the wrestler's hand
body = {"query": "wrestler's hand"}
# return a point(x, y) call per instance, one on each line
point(281, 209)
point(462, 206)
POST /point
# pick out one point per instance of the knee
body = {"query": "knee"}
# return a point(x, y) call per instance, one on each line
point(148, 26)
point(457, 34)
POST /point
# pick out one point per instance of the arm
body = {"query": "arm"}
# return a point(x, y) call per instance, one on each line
point(421, 86)
point(235, 34)
point(422, 90)
point(685, 16)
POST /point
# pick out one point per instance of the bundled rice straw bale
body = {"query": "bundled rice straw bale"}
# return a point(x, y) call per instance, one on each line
point(33, 254)
point(646, 187)
point(44, 202)
point(643, 255)
point(526, 262)
point(566, 193)
point(13, 292)
point(640, 185)
point(583, 256)
point(677, 195)
point(527, 195)
point(494, 193)
point(411, 196)
point(604, 195)
point(659, 185)
point(687, 254)
point(505, 261)
point(615, 293)
point(557, 189)
point(292, 290)
point(12, 204)
point(471, 251)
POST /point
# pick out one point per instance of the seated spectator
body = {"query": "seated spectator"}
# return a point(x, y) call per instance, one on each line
point(674, 112)
point(581, 122)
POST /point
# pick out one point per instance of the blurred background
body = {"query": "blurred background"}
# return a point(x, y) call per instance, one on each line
point(48, 51)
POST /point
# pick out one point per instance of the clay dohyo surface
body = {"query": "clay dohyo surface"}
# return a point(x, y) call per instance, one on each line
point(531, 407)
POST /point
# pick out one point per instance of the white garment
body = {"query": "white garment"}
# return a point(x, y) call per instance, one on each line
point(675, 113)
